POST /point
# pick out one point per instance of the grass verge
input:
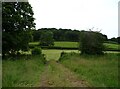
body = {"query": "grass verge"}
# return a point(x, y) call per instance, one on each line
point(99, 71)
point(23, 71)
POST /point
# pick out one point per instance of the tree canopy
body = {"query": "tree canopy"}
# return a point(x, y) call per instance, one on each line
point(61, 34)
point(115, 40)
point(17, 22)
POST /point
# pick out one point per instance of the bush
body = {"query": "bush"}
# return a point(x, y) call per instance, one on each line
point(91, 43)
point(37, 51)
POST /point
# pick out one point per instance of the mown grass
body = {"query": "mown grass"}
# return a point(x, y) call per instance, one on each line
point(99, 71)
point(111, 46)
point(59, 44)
point(23, 71)
point(75, 45)
point(66, 44)
point(52, 54)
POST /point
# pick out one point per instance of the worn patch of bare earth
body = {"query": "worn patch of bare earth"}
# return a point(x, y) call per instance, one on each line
point(56, 75)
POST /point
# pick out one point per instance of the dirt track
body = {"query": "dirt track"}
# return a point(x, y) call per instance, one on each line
point(56, 75)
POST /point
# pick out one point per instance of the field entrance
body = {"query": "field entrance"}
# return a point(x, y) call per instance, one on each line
point(54, 54)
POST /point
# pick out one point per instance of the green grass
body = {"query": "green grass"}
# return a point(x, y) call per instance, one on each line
point(33, 43)
point(52, 54)
point(56, 75)
point(66, 44)
point(59, 44)
point(111, 46)
point(22, 72)
point(75, 45)
point(99, 71)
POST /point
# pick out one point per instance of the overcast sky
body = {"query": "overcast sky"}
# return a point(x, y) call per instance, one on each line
point(77, 14)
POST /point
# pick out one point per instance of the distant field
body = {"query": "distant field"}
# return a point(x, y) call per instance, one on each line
point(33, 43)
point(99, 71)
point(60, 44)
point(111, 46)
point(75, 45)
point(66, 44)
point(54, 54)
point(24, 71)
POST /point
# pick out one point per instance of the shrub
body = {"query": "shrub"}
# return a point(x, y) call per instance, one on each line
point(91, 43)
point(37, 51)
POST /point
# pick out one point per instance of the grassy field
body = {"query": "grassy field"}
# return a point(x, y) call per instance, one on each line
point(33, 43)
point(111, 46)
point(22, 72)
point(99, 71)
point(29, 71)
point(54, 54)
point(66, 44)
point(75, 45)
point(59, 44)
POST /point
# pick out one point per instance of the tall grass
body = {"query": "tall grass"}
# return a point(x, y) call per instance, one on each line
point(99, 71)
point(22, 72)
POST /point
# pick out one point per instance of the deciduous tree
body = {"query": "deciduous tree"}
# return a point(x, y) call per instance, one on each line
point(17, 22)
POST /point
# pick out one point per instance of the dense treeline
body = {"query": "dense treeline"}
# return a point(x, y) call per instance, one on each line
point(58, 34)
point(61, 34)
point(114, 40)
